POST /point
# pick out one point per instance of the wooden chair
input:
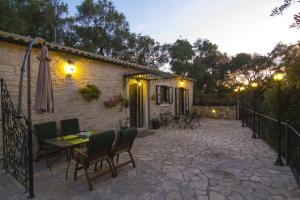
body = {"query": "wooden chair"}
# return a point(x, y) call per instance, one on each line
point(124, 144)
point(69, 126)
point(98, 149)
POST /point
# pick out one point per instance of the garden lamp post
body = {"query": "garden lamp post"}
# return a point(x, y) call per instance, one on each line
point(278, 77)
point(236, 90)
point(242, 89)
point(254, 85)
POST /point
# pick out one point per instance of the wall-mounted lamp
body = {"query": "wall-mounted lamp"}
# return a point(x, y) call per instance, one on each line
point(139, 82)
point(70, 68)
point(181, 83)
point(213, 111)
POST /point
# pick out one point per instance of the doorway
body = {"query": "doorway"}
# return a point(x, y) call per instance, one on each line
point(136, 105)
point(181, 101)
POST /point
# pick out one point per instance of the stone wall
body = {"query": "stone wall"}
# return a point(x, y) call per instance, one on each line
point(157, 109)
point(219, 112)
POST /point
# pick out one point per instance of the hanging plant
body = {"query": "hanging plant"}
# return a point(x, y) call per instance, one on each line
point(90, 92)
point(124, 102)
point(153, 97)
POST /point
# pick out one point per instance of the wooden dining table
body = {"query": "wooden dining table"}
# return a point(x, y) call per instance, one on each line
point(68, 142)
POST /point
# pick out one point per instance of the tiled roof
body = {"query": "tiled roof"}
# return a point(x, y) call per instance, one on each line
point(14, 38)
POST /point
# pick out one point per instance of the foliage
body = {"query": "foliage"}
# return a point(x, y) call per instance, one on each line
point(181, 53)
point(96, 27)
point(90, 92)
point(280, 9)
point(124, 102)
point(34, 17)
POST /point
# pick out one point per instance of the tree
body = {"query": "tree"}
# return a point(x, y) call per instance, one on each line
point(181, 54)
point(280, 9)
point(247, 68)
point(145, 51)
point(101, 28)
point(36, 18)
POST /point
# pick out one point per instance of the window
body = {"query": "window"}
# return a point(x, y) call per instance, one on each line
point(164, 94)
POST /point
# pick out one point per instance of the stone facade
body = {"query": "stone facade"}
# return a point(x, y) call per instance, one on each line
point(157, 109)
point(219, 112)
point(68, 102)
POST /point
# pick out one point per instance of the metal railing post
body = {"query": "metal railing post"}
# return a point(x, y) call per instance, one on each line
point(287, 144)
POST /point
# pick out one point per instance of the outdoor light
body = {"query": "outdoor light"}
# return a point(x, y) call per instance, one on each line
point(254, 84)
point(242, 88)
point(278, 75)
point(70, 68)
point(213, 111)
point(181, 82)
point(236, 89)
point(139, 83)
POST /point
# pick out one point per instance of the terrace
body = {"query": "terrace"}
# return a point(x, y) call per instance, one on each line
point(217, 161)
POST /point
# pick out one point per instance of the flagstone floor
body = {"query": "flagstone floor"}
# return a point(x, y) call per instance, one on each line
point(216, 161)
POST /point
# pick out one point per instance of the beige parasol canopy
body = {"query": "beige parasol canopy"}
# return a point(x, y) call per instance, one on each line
point(44, 92)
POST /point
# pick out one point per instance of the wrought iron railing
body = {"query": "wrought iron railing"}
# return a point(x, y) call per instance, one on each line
point(17, 129)
point(266, 128)
point(15, 140)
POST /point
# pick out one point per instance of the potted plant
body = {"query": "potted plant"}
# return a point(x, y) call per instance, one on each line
point(155, 123)
point(124, 102)
point(90, 92)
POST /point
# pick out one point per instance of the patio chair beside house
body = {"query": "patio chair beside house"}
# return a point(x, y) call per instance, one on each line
point(43, 132)
point(98, 149)
point(69, 126)
point(124, 144)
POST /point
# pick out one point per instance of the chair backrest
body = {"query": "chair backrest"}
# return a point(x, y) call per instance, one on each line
point(69, 126)
point(100, 144)
point(45, 131)
point(126, 139)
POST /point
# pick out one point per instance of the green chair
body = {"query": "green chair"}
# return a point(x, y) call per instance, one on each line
point(45, 131)
point(124, 144)
point(98, 149)
point(69, 126)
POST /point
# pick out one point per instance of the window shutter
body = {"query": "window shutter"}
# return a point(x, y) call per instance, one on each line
point(170, 89)
point(158, 95)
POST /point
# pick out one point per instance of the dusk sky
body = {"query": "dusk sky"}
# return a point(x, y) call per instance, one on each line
point(234, 25)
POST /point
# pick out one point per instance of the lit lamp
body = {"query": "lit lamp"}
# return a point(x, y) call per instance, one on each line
point(242, 89)
point(214, 111)
point(139, 82)
point(70, 68)
point(254, 85)
point(181, 83)
point(236, 90)
point(278, 77)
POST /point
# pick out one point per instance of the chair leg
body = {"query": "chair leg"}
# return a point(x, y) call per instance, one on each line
point(101, 164)
point(113, 166)
point(131, 158)
point(76, 169)
point(88, 178)
point(117, 158)
point(95, 168)
point(37, 156)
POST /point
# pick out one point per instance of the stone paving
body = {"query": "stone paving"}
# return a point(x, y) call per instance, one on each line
point(217, 161)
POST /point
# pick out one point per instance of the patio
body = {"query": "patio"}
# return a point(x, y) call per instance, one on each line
point(216, 161)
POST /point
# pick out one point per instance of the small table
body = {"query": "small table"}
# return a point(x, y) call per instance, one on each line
point(69, 142)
